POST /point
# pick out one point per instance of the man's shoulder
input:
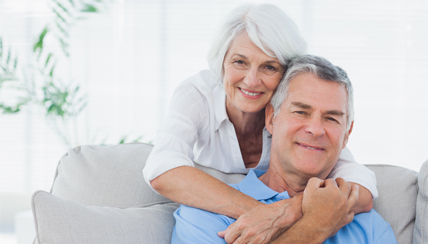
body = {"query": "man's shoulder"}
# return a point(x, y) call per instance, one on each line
point(365, 228)
point(195, 225)
point(198, 216)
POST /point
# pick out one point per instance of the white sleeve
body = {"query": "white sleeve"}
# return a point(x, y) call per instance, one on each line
point(178, 134)
point(348, 169)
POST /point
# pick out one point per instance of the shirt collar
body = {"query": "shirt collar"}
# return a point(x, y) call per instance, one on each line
point(219, 96)
point(253, 187)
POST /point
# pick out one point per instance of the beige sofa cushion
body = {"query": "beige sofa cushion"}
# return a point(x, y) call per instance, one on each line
point(90, 177)
point(105, 176)
point(67, 222)
point(112, 176)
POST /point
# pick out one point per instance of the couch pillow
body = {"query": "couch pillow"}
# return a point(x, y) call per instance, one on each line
point(420, 234)
point(105, 176)
point(63, 221)
point(112, 176)
point(396, 203)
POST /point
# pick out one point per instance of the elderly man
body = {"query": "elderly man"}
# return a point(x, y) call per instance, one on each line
point(310, 119)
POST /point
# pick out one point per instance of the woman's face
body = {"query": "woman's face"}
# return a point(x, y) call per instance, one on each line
point(250, 76)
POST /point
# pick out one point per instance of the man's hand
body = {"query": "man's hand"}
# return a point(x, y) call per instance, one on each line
point(265, 222)
point(328, 203)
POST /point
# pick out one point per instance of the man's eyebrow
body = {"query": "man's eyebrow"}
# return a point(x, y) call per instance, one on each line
point(306, 106)
point(301, 105)
point(335, 112)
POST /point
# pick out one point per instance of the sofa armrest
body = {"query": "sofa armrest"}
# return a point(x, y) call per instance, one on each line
point(396, 203)
point(420, 234)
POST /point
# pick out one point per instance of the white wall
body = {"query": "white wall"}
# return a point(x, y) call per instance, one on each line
point(129, 58)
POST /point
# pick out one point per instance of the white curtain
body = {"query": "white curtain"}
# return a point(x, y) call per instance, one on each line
point(129, 57)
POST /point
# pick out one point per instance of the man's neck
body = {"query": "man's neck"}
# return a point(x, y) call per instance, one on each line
point(279, 180)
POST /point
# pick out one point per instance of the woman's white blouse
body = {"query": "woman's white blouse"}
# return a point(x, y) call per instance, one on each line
point(198, 129)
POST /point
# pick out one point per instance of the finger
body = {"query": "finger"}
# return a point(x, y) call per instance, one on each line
point(222, 234)
point(344, 186)
point(238, 241)
point(231, 233)
point(330, 183)
point(313, 184)
point(349, 217)
point(353, 196)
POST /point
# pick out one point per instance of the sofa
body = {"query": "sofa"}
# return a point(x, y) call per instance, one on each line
point(99, 196)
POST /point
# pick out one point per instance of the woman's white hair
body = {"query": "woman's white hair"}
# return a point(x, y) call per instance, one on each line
point(268, 27)
point(320, 67)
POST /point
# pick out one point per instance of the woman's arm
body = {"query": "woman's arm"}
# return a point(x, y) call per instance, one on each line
point(326, 208)
point(365, 200)
point(193, 187)
point(356, 174)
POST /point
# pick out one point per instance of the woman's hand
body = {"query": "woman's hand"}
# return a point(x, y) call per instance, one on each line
point(264, 223)
point(365, 200)
point(326, 207)
point(329, 204)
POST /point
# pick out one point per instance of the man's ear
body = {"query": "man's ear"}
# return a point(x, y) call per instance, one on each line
point(269, 117)
point(345, 140)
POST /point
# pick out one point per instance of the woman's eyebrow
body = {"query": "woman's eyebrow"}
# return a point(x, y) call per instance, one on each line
point(240, 55)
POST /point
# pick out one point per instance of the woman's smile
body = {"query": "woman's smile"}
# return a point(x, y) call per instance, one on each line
point(250, 76)
point(250, 94)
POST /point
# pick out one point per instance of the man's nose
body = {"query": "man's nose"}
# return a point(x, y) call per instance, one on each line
point(252, 78)
point(315, 127)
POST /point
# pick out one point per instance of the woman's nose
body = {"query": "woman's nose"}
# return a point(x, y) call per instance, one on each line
point(252, 78)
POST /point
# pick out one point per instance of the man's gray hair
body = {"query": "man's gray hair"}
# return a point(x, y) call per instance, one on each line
point(268, 27)
point(320, 67)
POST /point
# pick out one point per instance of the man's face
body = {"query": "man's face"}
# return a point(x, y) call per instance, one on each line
point(310, 130)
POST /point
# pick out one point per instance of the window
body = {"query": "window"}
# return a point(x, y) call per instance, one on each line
point(129, 57)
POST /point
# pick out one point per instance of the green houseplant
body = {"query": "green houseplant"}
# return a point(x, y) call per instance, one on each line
point(60, 100)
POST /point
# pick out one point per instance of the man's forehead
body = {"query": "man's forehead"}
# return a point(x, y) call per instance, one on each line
point(307, 91)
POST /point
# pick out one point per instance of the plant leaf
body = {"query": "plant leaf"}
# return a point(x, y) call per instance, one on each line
point(59, 15)
point(52, 70)
point(39, 43)
point(62, 7)
point(89, 8)
point(47, 59)
point(8, 57)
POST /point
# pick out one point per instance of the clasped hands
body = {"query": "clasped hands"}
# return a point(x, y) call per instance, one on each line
point(322, 209)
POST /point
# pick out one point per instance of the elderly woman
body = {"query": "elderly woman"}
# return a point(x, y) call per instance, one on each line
point(217, 119)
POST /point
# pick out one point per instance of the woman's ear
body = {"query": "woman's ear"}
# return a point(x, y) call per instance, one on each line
point(269, 112)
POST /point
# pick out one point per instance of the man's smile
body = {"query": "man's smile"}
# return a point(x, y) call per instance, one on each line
point(310, 147)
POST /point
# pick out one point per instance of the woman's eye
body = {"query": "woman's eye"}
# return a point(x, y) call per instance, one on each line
point(269, 67)
point(239, 62)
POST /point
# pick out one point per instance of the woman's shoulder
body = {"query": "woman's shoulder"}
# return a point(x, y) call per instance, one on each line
point(202, 90)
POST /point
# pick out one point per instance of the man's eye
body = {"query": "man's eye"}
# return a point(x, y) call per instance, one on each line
point(332, 119)
point(300, 112)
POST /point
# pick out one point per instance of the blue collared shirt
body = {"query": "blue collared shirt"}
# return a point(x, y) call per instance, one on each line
point(199, 226)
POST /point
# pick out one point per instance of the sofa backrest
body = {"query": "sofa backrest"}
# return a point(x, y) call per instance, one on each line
point(107, 180)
